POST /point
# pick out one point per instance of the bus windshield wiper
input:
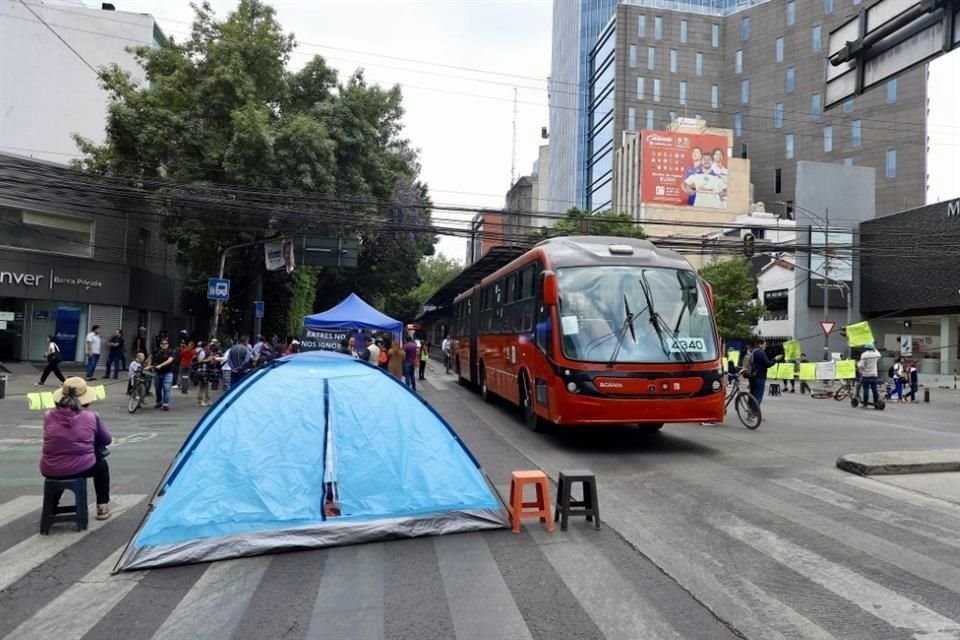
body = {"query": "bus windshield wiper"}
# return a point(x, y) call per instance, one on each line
point(659, 324)
point(627, 324)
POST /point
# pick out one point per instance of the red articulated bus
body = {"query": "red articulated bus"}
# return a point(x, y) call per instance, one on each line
point(587, 330)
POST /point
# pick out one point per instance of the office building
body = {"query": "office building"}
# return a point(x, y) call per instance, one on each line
point(753, 66)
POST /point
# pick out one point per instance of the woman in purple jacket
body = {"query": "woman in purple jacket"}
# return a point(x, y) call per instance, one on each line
point(72, 438)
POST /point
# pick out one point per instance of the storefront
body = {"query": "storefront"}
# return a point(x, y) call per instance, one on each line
point(910, 277)
point(43, 294)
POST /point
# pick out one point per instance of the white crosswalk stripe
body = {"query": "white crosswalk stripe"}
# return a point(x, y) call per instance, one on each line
point(877, 600)
point(78, 609)
point(215, 604)
point(349, 601)
point(474, 586)
point(19, 507)
point(20, 559)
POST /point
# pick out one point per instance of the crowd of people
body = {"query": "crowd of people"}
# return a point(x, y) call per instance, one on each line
point(405, 359)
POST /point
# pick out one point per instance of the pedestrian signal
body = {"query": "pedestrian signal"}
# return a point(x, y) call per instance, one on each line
point(748, 241)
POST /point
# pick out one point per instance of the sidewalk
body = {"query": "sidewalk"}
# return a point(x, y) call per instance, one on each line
point(23, 375)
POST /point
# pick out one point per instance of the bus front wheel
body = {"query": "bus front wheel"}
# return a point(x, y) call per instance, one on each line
point(527, 403)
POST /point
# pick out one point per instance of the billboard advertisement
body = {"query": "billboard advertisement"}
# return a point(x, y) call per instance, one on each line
point(840, 247)
point(683, 169)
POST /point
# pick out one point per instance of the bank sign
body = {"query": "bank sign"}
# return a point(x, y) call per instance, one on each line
point(19, 280)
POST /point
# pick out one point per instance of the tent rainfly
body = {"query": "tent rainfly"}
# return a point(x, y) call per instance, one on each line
point(317, 449)
point(352, 313)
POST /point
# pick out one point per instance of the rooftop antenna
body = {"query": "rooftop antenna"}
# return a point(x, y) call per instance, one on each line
point(513, 157)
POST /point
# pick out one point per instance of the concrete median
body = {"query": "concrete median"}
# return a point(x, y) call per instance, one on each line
point(880, 463)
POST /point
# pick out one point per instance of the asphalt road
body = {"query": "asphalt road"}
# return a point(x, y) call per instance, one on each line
point(709, 532)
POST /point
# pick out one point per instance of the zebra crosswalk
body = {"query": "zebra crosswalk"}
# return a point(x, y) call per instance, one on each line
point(756, 572)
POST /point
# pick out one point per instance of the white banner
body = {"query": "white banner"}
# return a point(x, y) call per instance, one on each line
point(279, 255)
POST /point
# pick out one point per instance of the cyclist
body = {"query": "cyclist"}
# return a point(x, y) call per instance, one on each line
point(756, 367)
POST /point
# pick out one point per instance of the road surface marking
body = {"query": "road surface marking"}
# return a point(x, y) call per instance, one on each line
point(22, 558)
point(19, 507)
point(899, 493)
point(215, 604)
point(78, 609)
point(870, 596)
point(30, 426)
point(350, 598)
point(930, 530)
point(475, 587)
point(11, 443)
point(612, 602)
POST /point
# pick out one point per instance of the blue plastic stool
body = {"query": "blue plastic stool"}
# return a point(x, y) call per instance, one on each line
point(52, 513)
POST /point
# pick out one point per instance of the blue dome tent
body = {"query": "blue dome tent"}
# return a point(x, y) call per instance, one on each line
point(352, 313)
point(315, 450)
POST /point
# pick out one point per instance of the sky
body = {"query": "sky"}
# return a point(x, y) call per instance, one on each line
point(460, 120)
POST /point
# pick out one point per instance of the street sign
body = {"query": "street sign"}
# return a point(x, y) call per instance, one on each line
point(218, 289)
point(320, 251)
point(890, 37)
point(258, 306)
point(827, 326)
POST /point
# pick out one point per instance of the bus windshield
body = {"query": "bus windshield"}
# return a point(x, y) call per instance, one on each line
point(594, 302)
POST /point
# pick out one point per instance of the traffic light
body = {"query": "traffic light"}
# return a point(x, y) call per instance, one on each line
point(748, 241)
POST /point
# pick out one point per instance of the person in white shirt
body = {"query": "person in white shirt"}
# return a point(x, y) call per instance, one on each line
point(53, 362)
point(93, 350)
point(373, 350)
point(708, 189)
point(868, 373)
point(135, 366)
point(447, 347)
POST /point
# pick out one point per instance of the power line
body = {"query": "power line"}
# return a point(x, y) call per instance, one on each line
point(60, 38)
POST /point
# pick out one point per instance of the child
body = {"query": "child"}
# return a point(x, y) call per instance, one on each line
point(135, 366)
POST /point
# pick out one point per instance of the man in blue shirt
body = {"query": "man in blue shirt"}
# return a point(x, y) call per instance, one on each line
point(759, 363)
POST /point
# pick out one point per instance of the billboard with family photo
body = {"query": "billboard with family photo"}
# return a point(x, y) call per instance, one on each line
point(683, 169)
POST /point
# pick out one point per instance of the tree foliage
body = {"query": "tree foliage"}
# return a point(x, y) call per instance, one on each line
point(604, 223)
point(736, 310)
point(222, 108)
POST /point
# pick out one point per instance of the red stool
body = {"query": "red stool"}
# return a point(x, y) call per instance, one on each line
point(519, 509)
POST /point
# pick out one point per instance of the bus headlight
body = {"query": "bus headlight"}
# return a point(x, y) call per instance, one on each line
point(716, 385)
point(572, 387)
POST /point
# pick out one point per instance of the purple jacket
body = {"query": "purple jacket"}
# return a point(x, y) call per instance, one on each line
point(68, 441)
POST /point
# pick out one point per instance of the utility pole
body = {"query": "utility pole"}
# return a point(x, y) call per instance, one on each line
point(218, 309)
point(513, 157)
point(826, 275)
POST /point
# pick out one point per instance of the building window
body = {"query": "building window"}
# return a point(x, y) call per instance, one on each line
point(641, 26)
point(715, 96)
point(631, 119)
point(815, 110)
point(744, 91)
point(672, 116)
point(738, 124)
point(633, 56)
point(745, 28)
point(651, 58)
point(673, 60)
point(743, 150)
point(639, 88)
point(789, 146)
point(891, 91)
point(657, 27)
point(776, 304)
point(892, 162)
point(656, 89)
point(699, 63)
point(779, 48)
point(791, 80)
point(827, 139)
point(778, 115)
point(848, 162)
point(738, 61)
point(683, 31)
point(816, 38)
point(791, 13)
point(715, 35)
point(683, 92)
point(777, 181)
point(47, 232)
point(649, 118)
point(828, 7)
point(855, 134)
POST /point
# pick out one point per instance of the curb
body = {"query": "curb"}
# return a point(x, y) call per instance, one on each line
point(886, 463)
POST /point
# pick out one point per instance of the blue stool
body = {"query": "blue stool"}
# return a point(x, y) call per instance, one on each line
point(53, 513)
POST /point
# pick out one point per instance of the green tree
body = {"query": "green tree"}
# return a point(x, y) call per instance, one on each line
point(221, 108)
point(433, 272)
point(604, 223)
point(736, 309)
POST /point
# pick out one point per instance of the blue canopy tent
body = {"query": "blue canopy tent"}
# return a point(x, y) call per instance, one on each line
point(352, 313)
point(317, 449)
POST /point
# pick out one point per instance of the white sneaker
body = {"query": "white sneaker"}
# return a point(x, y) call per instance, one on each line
point(103, 511)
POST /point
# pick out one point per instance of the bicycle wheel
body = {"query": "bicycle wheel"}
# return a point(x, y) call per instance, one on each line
point(748, 410)
point(136, 398)
point(842, 393)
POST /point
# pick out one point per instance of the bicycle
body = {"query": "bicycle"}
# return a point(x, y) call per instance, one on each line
point(140, 384)
point(747, 407)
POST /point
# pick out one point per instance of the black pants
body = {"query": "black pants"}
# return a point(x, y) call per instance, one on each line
point(53, 366)
point(100, 472)
point(423, 369)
